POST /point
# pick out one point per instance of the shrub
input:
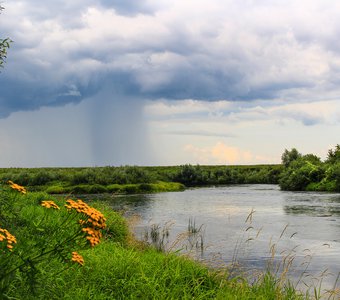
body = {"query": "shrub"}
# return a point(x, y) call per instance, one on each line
point(130, 188)
point(55, 189)
point(97, 189)
point(114, 188)
point(37, 231)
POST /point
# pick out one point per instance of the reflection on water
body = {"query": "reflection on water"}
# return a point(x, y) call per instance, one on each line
point(301, 225)
point(313, 204)
point(131, 203)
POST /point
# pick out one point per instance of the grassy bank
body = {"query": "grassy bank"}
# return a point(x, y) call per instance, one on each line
point(133, 179)
point(132, 188)
point(40, 236)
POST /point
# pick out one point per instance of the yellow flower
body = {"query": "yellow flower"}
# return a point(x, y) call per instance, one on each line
point(17, 187)
point(5, 235)
point(76, 257)
point(93, 235)
point(95, 220)
point(49, 204)
point(94, 216)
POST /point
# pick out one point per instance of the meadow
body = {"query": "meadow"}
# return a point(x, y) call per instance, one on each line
point(56, 248)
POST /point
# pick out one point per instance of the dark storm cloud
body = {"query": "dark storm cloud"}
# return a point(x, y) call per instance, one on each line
point(68, 51)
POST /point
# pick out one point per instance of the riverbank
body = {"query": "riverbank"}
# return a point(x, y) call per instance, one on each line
point(134, 179)
point(219, 215)
point(296, 173)
point(44, 233)
point(132, 188)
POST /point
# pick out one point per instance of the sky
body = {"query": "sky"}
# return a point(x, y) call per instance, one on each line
point(168, 82)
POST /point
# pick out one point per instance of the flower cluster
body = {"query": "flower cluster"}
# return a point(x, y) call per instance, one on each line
point(5, 235)
point(17, 187)
point(76, 257)
point(49, 204)
point(93, 235)
point(94, 223)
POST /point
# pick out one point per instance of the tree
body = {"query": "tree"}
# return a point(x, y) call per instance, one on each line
point(289, 156)
point(333, 155)
point(4, 45)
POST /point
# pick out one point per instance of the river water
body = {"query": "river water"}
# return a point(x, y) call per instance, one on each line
point(256, 226)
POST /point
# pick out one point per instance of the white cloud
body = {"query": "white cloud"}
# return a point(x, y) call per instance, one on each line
point(240, 132)
point(268, 67)
point(308, 113)
point(163, 108)
point(220, 153)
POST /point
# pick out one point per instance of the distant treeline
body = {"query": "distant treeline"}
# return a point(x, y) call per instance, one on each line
point(297, 173)
point(309, 173)
point(135, 179)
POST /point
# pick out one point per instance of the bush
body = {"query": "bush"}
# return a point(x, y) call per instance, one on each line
point(86, 176)
point(145, 187)
point(300, 173)
point(308, 173)
point(37, 233)
point(55, 189)
point(96, 189)
point(114, 188)
point(130, 188)
point(333, 175)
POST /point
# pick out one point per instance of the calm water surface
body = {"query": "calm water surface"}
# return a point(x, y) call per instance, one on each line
point(303, 224)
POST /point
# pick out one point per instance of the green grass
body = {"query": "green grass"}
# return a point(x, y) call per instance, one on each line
point(135, 179)
point(112, 271)
point(136, 188)
point(118, 268)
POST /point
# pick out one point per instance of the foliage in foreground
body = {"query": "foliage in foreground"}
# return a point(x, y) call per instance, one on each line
point(115, 272)
point(35, 231)
point(46, 254)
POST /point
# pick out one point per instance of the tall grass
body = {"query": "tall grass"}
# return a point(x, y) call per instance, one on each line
point(117, 268)
point(282, 266)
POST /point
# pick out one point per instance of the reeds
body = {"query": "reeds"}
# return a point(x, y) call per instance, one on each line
point(158, 236)
point(282, 264)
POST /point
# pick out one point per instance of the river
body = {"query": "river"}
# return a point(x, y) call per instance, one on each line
point(256, 226)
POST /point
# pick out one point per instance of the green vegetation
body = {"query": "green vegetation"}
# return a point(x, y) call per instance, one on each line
point(37, 232)
point(297, 172)
point(137, 188)
point(127, 179)
point(213, 175)
point(133, 179)
point(4, 45)
point(309, 173)
point(49, 251)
